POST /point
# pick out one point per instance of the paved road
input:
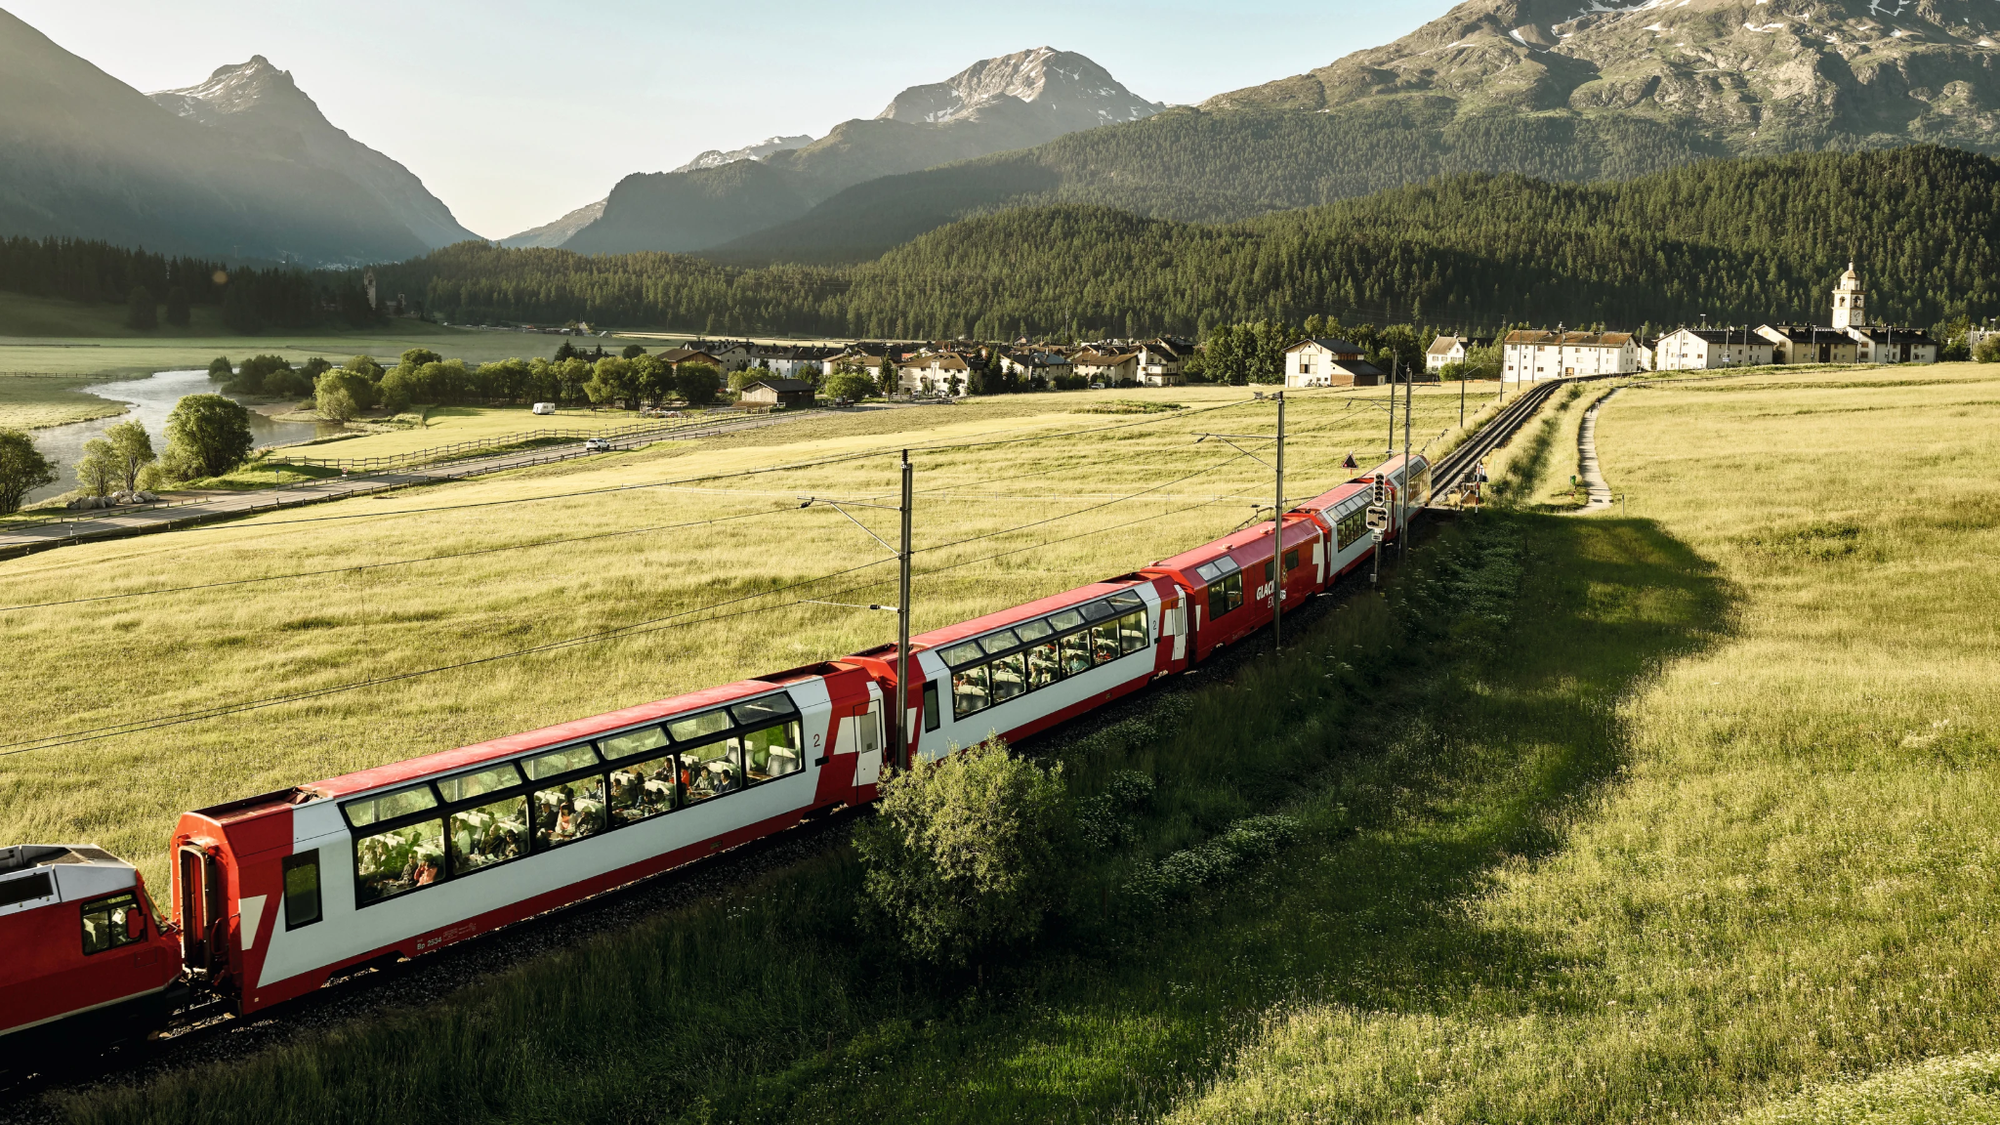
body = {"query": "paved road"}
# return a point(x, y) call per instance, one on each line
point(115, 523)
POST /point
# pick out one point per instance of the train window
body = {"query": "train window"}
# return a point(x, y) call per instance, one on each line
point(1208, 572)
point(1096, 611)
point(1267, 570)
point(969, 691)
point(1034, 631)
point(644, 789)
point(111, 922)
point(999, 642)
point(561, 761)
point(1291, 561)
point(301, 889)
point(1076, 653)
point(572, 810)
point(1351, 527)
point(772, 753)
point(1009, 676)
point(389, 806)
point(1132, 631)
point(397, 861)
point(633, 742)
point(699, 726)
point(1044, 664)
point(1066, 620)
point(931, 717)
point(711, 770)
point(1126, 601)
point(1224, 596)
point(1104, 641)
point(967, 653)
point(466, 786)
point(488, 835)
point(763, 710)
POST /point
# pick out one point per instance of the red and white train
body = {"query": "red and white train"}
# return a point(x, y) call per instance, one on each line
point(274, 894)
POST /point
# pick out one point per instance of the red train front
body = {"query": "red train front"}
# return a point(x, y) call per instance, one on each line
point(87, 961)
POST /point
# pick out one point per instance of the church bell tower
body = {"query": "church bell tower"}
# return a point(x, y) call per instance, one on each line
point(1848, 298)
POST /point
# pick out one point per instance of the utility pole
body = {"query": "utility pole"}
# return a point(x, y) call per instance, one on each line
point(903, 629)
point(1395, 367)
point(1278, 536)
point(1403, 493)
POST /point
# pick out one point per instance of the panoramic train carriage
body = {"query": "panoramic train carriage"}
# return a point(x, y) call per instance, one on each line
point(277, 893)
point(86, 960)
point(1227, 585)
point(1342, 512)
point(1023, 670)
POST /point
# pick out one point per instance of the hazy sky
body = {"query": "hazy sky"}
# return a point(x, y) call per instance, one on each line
point(516, 111)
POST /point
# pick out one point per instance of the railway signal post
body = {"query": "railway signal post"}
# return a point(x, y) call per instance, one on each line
point(1378, 525)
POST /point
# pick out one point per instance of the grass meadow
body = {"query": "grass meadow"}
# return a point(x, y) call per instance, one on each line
point(696, 584)
point(1681, 813)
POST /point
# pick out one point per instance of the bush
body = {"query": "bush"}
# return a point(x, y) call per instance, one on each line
point(207, 435)
point(1988, 350)
point(963, 854)
point(220, 369)
point(23, 469)
point(1070, 382)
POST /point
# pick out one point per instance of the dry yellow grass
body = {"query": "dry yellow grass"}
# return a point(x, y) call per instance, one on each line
point(78, 667)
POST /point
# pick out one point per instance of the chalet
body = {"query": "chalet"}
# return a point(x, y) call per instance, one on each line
point(1117, 369)
point(1704, 349)
point(1161, 362)
point(1032, 365)
point(1310, 363)
point(1447, 350)
point(1533, 355)
point(732, 355)
point(674, 357)
point(786, 393)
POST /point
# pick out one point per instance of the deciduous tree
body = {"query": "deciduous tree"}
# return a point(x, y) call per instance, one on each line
point(133, 447)
point(23, 469)
point(207, 434)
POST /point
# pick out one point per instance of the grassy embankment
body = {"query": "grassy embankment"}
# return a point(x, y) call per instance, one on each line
point(81, 666)
point(1602, 819)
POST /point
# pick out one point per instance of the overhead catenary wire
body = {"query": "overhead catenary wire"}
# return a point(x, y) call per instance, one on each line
point(642, 628)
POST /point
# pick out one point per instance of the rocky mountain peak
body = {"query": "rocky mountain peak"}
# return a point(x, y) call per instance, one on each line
point(255, 84)
point(1758, 75)
point(716, 158)
point(1063, 83)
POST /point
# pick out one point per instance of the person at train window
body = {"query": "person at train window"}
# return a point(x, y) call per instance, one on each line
point(1009, 677)
point(1104, 641)
point(426, 872)
point(1076, 653)
point(1044, 665)
point(968, 691)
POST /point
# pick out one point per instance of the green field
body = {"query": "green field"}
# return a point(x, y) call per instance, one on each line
point(1683, 814)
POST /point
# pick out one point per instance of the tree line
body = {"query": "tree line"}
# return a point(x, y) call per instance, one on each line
point(1738, 241)
point(156, 289)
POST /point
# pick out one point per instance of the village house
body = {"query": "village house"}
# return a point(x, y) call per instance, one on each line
point(1809, 343)
point(1703, 349)
point(1850, 339)
point(933, 373)
point(1322, 362)
point(1161, 362)
point(731, 355)
point(774, 391)
point(1118, 369)
point(674, 357)
point(1028, 366)
point(1534, 355)
point(1447, 350)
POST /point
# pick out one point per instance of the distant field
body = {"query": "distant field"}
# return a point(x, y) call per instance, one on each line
point(76, 667)
point(449, 425)
point(29, 402)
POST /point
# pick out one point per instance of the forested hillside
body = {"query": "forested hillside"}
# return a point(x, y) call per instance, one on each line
point(1738, 240)
point(1201, 166)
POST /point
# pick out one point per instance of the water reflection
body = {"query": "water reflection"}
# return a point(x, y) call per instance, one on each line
point(151, 399)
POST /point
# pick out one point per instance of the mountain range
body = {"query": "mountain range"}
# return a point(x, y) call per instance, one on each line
point(243, 166)
point(1011, 102)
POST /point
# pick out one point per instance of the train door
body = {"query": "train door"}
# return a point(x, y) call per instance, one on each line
point(867, 732)
point(202, 911)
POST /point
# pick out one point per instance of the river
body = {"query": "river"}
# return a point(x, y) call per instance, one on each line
point(151, 400)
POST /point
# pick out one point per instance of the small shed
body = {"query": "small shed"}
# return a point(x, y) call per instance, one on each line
point(778, 392)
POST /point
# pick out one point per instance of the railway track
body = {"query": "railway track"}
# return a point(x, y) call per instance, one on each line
point(1455, 468)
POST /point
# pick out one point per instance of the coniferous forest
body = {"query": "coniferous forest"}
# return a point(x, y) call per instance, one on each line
point(1735, 240)
point(1738, 241)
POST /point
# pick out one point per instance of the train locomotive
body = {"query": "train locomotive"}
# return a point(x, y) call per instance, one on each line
point(273, 895)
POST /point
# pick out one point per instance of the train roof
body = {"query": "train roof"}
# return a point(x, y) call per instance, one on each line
point(36, 875)
point(1255, 540)
point(1014, 615)
point(22, 857)
point(1333, 497)
point(576, 730)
